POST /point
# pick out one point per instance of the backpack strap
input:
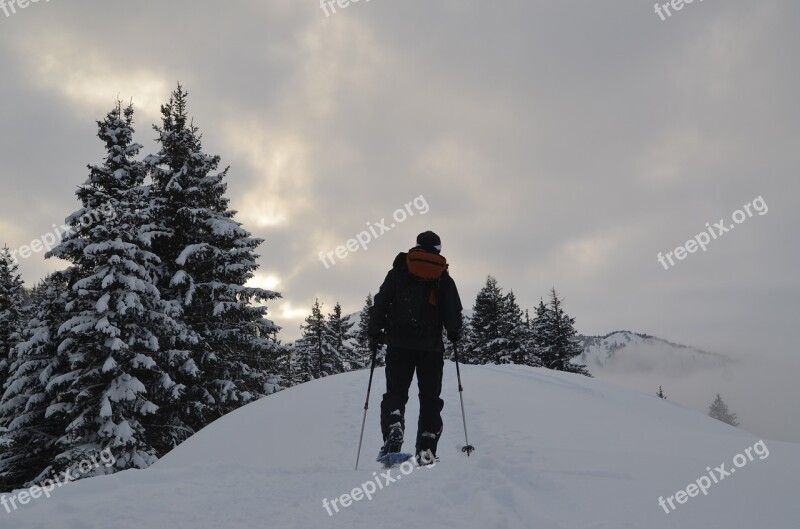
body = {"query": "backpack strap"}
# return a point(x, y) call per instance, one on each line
point(433, 294)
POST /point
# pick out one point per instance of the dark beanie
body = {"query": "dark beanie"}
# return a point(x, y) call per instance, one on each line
point(429, 241)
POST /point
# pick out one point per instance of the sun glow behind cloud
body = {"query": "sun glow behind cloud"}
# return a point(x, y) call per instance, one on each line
point(278, 165)
point(91, 77)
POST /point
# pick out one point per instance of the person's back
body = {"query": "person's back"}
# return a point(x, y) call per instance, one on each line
point(418, 299)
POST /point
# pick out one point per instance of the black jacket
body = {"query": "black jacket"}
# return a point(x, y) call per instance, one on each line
point(402, 309)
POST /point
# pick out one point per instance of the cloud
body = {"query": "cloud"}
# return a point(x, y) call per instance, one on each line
point(89, 77)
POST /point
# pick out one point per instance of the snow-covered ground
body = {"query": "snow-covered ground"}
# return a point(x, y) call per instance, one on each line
point(553, 451)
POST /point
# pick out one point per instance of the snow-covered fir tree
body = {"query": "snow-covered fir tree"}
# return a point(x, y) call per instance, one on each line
point(279, 376)
point(117, 374)
point(341, 330)
point(303, 362)
point(208, 257)
point(485, 339)
point(719, 411)
point(497, 331)
point(363, 355)
point(286, 371)
point(538, 334)
point(12, 300)
point(32, 396)
point(514, 327)
point(554, 336)
point(530, 355)
point(316, 355)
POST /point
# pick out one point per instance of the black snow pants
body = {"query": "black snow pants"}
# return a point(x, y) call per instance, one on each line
point(400, 367)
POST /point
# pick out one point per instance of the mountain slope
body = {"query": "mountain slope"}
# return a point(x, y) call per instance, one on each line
point(553, 451)
point(629, 352)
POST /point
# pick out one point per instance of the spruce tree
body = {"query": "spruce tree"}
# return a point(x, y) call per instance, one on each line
point(488, 343)
point(514, 328)
point(305, 351)
point(719, 411)
point(363, 355)
point(554, 336)
point(301, 361)
point(529, 353)
point(12, 300)
point(117, 374)
point(316, 351)
point(341, 331)
point(497, 332)
point(538, 343)
point(32, 403)
point(286, 371)
point(207, 259)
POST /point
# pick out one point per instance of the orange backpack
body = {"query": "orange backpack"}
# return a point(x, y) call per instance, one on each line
point(426, 265)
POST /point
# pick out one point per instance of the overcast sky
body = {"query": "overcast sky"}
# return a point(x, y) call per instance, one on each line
point(560, 143)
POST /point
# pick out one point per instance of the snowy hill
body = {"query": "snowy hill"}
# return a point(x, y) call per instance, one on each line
point(629, 352)
point(555, 451)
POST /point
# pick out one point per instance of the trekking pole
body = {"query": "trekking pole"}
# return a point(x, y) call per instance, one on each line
point(467, 448)
point(366, 404)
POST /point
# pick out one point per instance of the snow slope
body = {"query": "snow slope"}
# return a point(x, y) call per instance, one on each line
point(554, 451)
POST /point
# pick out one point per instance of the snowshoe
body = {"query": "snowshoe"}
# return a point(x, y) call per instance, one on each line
point(392, 459)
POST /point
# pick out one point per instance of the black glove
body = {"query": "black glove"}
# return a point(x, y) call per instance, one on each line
point(454, 337)
point(375, 341)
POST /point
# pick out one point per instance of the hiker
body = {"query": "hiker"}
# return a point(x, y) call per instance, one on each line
point(417, 300)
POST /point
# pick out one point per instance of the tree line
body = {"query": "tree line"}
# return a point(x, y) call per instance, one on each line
point(497, 332)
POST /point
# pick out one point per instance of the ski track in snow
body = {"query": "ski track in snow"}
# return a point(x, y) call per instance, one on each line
point(554, 451)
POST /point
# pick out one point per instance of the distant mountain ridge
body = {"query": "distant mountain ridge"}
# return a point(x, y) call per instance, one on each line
point(626, 351)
